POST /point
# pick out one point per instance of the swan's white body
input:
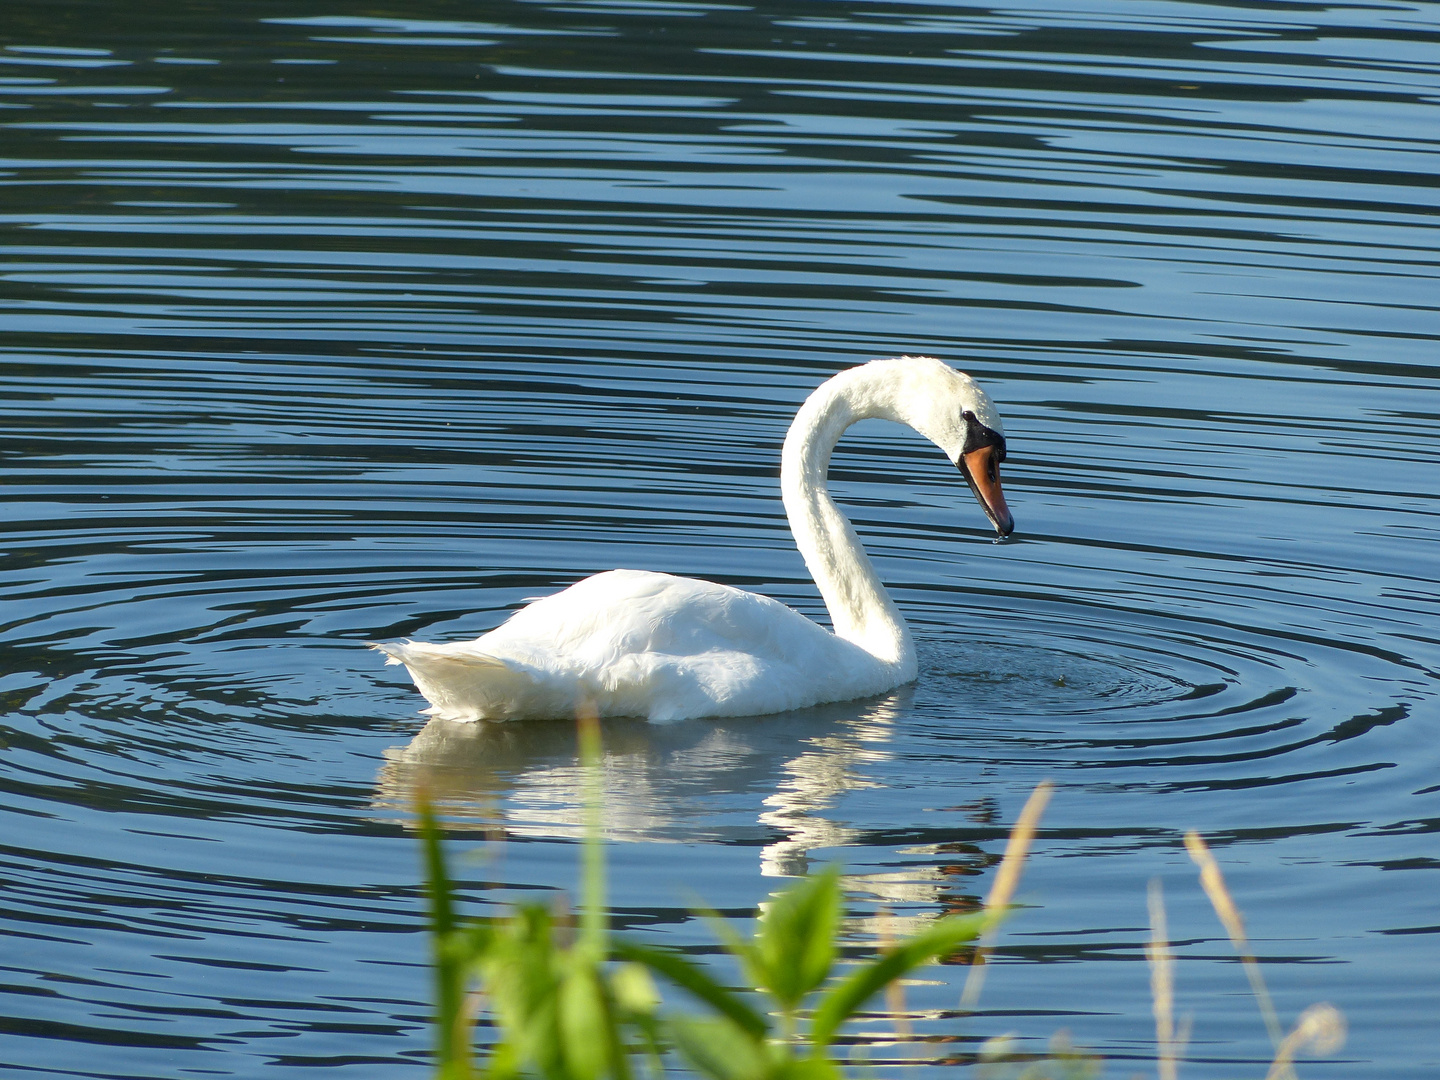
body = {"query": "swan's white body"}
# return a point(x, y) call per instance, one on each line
point(636, 643)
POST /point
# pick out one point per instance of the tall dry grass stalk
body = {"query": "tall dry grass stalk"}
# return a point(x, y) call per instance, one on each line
point(1170, 1041)
point(1213, 882)
point(1006, 880)
point(895, 991)
point(1320, 1030)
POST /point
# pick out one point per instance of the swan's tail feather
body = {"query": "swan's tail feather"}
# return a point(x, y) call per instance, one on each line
point(391, 649)
point(471, 685)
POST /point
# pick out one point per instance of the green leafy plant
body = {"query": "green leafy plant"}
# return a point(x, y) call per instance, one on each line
point(569, 1000)
point(579, 1003)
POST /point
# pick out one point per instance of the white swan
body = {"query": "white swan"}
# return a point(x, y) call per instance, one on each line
point(636, 643)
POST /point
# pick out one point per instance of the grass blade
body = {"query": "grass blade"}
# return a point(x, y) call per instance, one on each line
point(593, 920)
point(1007, 878)
point(449, 954)
point(1162, 987)
point(935, 941)
point(690, 976)
point(1321, 1030)
point(1213, 882)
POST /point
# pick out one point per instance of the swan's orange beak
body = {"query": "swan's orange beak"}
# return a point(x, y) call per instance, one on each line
point(982, 471)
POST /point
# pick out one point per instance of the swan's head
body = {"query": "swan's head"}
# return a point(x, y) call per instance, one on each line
point(950, 409)
point(979, 462)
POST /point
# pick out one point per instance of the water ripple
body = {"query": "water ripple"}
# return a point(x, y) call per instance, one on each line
point(326, 328)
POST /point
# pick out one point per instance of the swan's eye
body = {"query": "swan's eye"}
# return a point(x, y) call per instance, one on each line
point(978, 436)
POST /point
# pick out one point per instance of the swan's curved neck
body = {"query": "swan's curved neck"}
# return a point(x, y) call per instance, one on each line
point(860, 609)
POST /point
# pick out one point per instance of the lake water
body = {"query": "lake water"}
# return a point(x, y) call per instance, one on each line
point(325, 328)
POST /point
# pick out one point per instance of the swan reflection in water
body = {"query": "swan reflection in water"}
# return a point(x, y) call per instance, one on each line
point(775, 780)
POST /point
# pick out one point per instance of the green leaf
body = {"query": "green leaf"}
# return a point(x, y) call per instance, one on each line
point(585, 1026)
point(522, 973)
point(743, 949)
point(718, 1049)
point(690, 976)
point(634, 990)
point(504, 1063)
point(437, 880)
point(937, 940)
point(795, 942)
point(449, 957)
point(473, 943)
point(809, 1068)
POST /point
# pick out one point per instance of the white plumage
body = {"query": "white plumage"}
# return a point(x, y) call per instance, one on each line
point(637, 643)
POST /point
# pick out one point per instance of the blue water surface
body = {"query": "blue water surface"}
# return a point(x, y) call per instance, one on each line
point(332, 323)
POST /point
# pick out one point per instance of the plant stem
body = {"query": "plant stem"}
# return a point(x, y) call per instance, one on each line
point(593, 920)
